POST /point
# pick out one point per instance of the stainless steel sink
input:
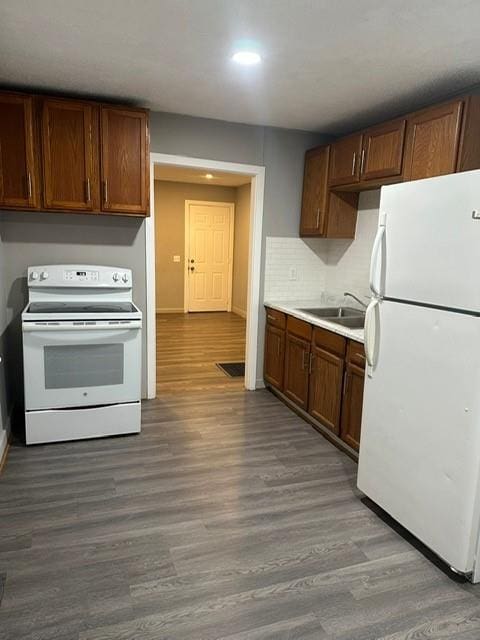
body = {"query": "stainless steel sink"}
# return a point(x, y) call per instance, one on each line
point(353, 322)
point(333, 312)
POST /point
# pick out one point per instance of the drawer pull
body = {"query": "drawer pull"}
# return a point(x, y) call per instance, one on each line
point(270, 317)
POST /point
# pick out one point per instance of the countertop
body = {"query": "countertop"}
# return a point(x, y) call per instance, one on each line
point(292, 308)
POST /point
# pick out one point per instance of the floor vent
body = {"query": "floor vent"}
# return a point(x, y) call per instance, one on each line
point(232, 369)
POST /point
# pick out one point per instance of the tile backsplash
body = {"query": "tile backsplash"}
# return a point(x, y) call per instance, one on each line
point(299, 268)
point(294, 269)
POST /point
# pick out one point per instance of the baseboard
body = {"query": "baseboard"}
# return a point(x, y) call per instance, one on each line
point(170, 310)
point(260, 384)
point(239, 312)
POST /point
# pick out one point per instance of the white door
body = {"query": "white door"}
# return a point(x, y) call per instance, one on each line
point(428, 250)
point(209, 255)
point(420, 439)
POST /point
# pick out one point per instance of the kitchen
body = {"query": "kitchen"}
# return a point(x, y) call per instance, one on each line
point(228, 515)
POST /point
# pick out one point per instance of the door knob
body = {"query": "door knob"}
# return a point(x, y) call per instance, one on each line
point(192, 268)
point(192, 260)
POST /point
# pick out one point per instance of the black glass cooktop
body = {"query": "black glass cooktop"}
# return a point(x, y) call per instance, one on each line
point(81, 307)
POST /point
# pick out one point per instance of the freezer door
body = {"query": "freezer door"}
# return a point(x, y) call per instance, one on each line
point(429, 248)
point(420, 442)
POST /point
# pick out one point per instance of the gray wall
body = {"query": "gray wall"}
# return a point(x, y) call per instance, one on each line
point(44, 238)
point(36, 238)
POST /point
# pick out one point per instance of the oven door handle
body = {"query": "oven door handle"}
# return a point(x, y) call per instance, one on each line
point(31, 326)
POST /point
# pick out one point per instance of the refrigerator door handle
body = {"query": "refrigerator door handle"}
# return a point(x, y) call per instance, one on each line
point(376, 263)
point(371, 335)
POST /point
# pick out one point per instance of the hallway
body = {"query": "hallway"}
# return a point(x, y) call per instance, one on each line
point(190, 344)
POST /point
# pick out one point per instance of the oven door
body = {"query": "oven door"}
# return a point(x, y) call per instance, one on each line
point(66, 365)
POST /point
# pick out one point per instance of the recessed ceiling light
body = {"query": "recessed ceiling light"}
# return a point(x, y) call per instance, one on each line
point(208, 176)
point(247, 58)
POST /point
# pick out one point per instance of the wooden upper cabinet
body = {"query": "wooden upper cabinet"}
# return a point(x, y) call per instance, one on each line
point(382, 150)
point(315, 192)
point(69, 150)
point(345, 160)
point(19, 185)
point(432, 141)
point(125, 160)
point(325, 213)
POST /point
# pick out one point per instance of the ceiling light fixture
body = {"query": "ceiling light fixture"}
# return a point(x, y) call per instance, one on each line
point(247, 58)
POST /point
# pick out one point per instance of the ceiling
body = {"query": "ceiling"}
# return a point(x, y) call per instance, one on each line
point(327, 66)
point(197, 176)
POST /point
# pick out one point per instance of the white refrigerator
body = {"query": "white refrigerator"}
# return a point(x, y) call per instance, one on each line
point(420, 441)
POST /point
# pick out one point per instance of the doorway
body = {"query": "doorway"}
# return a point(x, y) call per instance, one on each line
point(250, 254)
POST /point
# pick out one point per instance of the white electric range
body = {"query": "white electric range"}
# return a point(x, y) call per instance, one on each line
point(81, 353)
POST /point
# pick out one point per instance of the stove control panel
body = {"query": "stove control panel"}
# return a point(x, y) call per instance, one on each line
point(80, 276)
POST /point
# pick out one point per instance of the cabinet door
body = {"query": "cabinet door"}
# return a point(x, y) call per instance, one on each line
point(18, 176)
point(352, 405)
point(125, 160)
point(68, 136)
point(432, 141)
point(326, 380)
point(297, 353)
point(315, 190)
point(382, 151)
point(274, 356)
point(345, 160)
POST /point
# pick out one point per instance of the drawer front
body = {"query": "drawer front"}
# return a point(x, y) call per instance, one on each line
point(299, 328)
point(275, 318)
point(356, 353)
point(329, 341)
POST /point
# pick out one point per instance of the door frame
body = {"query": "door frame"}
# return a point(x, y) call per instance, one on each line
point(186, 290)
point(257, 189)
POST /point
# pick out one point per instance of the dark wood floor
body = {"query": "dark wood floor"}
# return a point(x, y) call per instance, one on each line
point(227, 518)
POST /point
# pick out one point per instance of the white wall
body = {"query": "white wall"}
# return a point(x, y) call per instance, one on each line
point(325, 269)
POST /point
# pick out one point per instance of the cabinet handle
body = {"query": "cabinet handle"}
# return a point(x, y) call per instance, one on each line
point(270, 317)
point(354, 162)
point(105, 191)
point(318, 218)
point(310, 363)
point(362, 161)
point(29, 184)
point(304, 353)
point(89, 193)
point(278, 349)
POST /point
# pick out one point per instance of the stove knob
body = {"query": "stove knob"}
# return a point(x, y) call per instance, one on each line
point(34, 275)
point(125, 277)
point(116, 277)
point(44, 275)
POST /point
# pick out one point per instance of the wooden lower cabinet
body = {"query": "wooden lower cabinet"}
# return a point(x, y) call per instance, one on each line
point(326, 380)
point(274, 362)
point(297, 355)
point(352, 405)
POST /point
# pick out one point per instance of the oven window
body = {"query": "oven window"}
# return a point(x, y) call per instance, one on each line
point(69, 366)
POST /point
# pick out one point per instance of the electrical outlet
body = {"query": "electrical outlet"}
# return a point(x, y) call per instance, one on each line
point(176, 258)
point(292, 274)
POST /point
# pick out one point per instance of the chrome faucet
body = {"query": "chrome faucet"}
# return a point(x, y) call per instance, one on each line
point(351, 295)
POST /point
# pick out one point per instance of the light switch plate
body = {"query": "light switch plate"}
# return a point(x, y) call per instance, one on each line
point(176, 258)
